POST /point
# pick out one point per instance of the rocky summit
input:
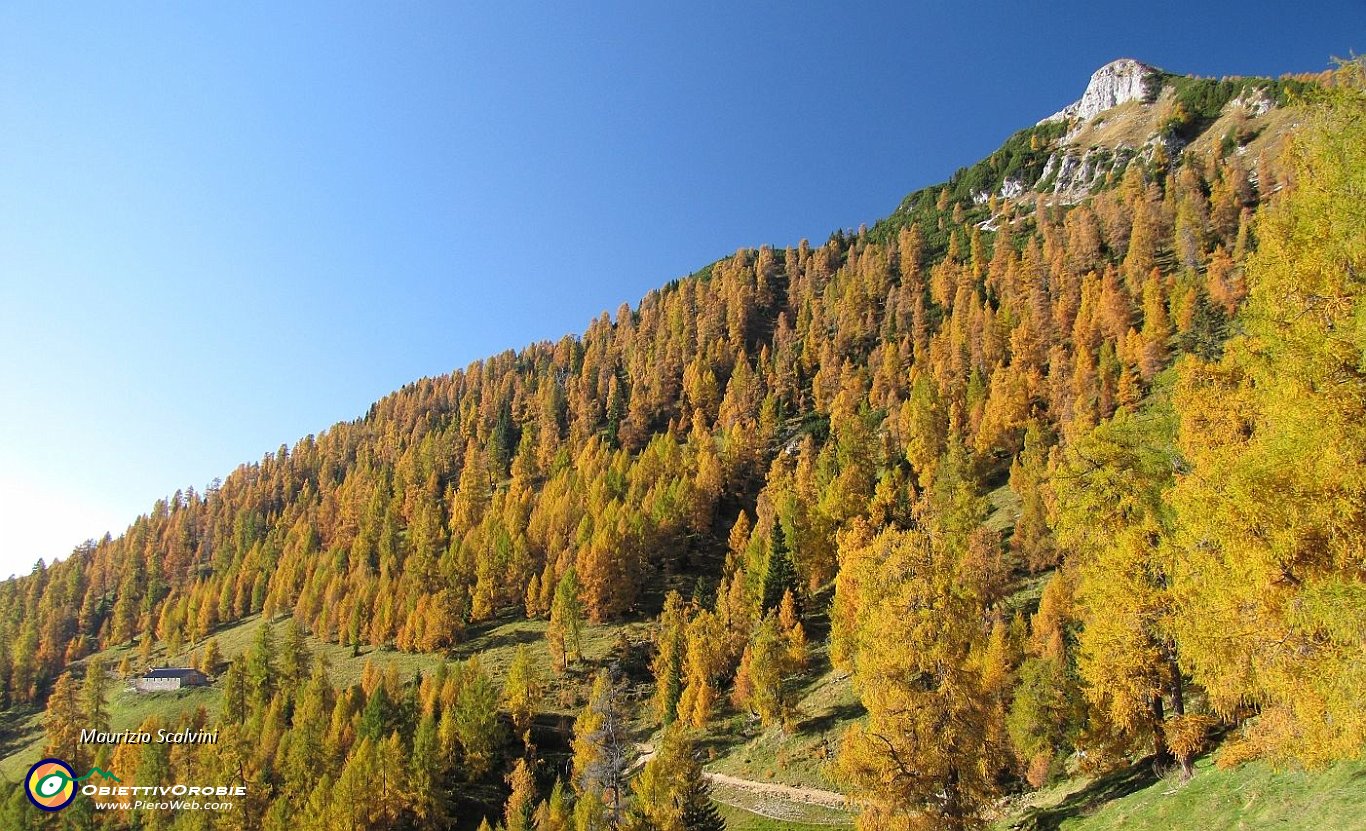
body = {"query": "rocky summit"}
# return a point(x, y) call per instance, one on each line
point(1115, 83)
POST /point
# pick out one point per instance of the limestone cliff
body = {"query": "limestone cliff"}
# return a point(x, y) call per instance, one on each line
point(1113, 84)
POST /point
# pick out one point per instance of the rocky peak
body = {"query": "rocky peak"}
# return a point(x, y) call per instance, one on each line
point(1113, 84)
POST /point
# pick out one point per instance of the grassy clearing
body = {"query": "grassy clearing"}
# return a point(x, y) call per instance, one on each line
point(1025, 598)
point(803, 754)
point(127, 711)
point(495, 643)
point(128, 708)
point(23, 741)
point(1005, 509)
point(801, 757)
point(1254, 797)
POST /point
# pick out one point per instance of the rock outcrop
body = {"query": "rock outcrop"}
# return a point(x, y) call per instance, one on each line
point(1113, 84)
point(1130, 113)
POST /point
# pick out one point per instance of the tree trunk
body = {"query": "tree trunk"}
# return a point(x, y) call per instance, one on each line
point(953, 803)
point(1175, 684)
point(1162, 754)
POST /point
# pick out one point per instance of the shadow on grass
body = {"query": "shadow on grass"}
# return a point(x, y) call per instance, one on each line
point(486, 640)
point(712, 745)
point(835, 715)
point(1112, 786)
point(16, 731)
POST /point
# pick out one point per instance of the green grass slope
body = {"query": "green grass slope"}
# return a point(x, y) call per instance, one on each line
point(1253, 797)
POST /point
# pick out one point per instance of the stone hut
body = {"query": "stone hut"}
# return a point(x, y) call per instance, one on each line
point(165, 679)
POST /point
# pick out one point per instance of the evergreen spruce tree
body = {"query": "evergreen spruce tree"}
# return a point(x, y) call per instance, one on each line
point(699, 811)
point(780, 575)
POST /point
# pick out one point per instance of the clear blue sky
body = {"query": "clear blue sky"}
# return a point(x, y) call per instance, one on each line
point(224, 228)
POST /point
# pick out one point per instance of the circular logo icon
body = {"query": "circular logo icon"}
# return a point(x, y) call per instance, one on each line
point(51, 784)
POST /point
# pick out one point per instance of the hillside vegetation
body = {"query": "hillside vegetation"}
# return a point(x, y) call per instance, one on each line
point(1012, 498)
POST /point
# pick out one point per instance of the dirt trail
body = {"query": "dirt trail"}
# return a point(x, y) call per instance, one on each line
point(789, 793)
point(809, 796)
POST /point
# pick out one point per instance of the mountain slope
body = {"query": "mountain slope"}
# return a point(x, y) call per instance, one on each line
point(743, 437)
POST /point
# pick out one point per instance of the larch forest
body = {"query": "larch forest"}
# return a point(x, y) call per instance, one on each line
point(1057, 483)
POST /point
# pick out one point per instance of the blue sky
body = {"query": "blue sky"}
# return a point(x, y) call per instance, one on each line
point(224, 228)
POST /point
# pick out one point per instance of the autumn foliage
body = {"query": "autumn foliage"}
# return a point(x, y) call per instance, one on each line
point(1149, 406)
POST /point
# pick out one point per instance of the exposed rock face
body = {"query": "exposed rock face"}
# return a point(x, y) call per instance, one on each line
point(1094, 152)
point(1254, 103)
point(1111, 85)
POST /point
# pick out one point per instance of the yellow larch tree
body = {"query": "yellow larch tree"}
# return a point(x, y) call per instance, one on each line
point(927, 756)
point(1271, 581)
